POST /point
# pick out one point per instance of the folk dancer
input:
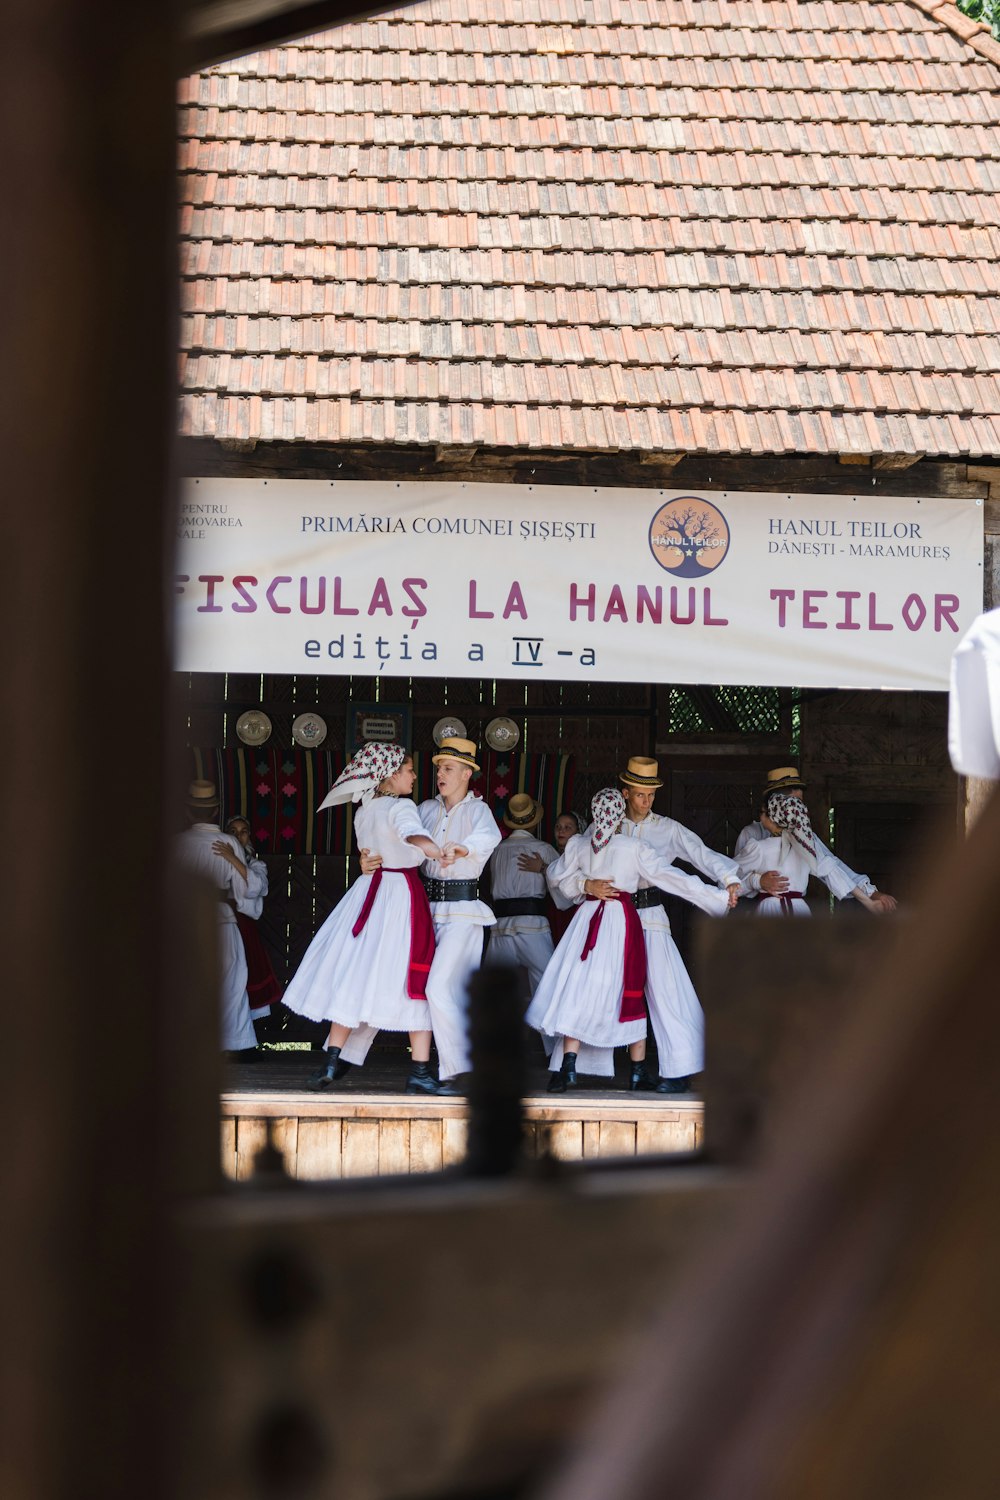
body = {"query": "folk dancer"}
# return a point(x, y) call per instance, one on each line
point(263, 989)
point(674, 1009)
point(773, 882)
point(790, 847)
point(206, 850)
point(367, 966)
point(465, 830)
point(522, 936)
point(558, 908)
point(590, 999)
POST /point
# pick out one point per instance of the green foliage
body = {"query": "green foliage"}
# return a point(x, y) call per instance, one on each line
point(987, 11)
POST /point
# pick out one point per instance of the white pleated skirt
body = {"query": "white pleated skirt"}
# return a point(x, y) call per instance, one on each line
point(352, 980)
point(581, 998)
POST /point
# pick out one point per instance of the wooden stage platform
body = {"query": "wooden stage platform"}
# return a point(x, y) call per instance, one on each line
point(369, 1127)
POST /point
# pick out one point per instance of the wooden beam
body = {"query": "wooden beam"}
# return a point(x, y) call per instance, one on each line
point(896, 460)
point(831, 1340)
point(87, 411)
point(217, 30)
point(661, 460)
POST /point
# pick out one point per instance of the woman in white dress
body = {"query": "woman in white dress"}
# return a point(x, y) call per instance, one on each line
point(792, 848)
point(590, 999)
point(368, 963)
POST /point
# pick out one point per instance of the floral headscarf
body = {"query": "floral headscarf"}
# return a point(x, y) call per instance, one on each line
point(361, 777)
point(792, 815)
point(607, 811)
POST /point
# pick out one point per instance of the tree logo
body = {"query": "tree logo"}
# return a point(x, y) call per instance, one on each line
point(689, 537)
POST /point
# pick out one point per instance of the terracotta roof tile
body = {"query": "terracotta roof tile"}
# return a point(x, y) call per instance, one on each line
point(746, 225)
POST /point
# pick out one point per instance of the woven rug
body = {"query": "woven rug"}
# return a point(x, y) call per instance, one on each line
point(278, 792)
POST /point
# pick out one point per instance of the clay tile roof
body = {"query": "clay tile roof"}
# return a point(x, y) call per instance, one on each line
point(705, 225)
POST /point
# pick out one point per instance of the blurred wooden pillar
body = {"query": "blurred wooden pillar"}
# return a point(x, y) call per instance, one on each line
point(974, 793)
point(87, 416)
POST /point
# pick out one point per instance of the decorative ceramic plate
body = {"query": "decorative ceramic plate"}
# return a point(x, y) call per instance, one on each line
point(448, 729)
point(253, 727)
point(309, 730)
point(502, 734)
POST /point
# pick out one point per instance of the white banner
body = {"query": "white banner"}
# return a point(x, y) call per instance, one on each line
point(495, 580)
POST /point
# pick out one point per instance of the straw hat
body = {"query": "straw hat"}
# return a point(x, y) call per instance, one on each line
point(523, 811)
point(202, 794)
point(464, 751)
point(641, 772)
point(784, 779)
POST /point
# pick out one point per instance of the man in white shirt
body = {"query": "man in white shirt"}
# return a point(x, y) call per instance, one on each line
point(463, 827)
point(217, 857)
point(674, 1011)
point(974, 700)
point(769, 882)
point(522, 936)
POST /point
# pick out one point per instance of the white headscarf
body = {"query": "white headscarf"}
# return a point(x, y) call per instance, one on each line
point(792, 816)
point(364, 773)
point(607, 811)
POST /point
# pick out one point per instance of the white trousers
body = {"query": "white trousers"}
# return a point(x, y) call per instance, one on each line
point(528, 950)
point(456, 958)
point(237, 1027)
point(674, 1012)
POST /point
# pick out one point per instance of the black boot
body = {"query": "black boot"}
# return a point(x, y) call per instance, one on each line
point(566, 1077)
point(674, 1086)
point(333, 1068)
point(422, 1081)
point(638, 1078)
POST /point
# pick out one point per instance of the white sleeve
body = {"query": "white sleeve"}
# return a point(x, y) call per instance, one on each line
point(690, 847)
point(256, 879)
point(661, 872)
point(748, 836)
point(405, 819)
point(835, 875)
point(564, 877)
point(847, 873)
point(974, 700)
point(751, 865)
point(484, 835)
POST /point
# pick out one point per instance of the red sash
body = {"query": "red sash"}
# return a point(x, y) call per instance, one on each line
point(262, 984)
point(421, 928)
point(632, 1007)
point(786, 898)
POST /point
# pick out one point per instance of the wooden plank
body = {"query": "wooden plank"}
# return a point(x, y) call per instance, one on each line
point(665, 1135)
point(360, 1148)
point(319, 1157)
point(251, 1136)
point(228, 1134)
point(617, 1138)
point(393, 1147)
point(591, 1138)
point(566, 1139)
point(425, 1146)
point(453, 1133)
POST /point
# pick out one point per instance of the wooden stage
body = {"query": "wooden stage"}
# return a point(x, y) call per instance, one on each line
point(367, 1126)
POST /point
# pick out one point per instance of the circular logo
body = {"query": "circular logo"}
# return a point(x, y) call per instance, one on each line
point(689, 536)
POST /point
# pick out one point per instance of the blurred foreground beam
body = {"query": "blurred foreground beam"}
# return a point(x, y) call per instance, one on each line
point(88, 271)
point(839, 1338)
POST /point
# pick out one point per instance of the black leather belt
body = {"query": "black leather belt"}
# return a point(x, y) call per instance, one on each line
point(519, 906)
point(651, 896)
point(450, 890)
